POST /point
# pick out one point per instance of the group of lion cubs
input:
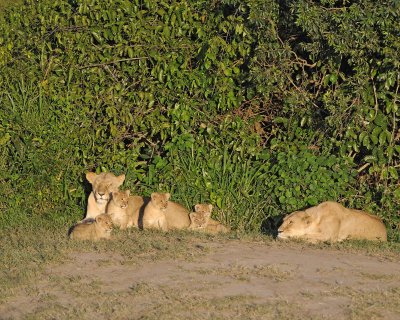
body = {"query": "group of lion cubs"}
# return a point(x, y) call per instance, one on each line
point(108, 207)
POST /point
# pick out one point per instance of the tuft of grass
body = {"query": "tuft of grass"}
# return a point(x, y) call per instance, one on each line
point(233, 184)
point(245, 273)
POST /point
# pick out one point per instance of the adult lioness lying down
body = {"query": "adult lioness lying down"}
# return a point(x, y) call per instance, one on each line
point(330, 221)
point(103, 185)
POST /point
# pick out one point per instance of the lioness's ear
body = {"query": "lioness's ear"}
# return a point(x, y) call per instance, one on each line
point(290, 215)
point(120, 179)
point(167, 196)
point(91, 176)
point(128, 192)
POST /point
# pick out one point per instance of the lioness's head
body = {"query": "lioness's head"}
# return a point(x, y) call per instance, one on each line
point(295, 224)
point(104, 184)
point(104, 222)
point(160, 200)
point(121, 198)
point(199, 219)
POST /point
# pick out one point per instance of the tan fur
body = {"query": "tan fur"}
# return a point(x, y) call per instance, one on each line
point(100, 228)
point(201, 220)
point(160, 213)
point(118, 209)
point(103, 185)
point(154, 216)
point(135, 204)
point(177, 216)
point(330, 221)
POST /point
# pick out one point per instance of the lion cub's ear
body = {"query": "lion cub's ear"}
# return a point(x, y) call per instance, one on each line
point(154, 196)
point(167, 196)
point(91, 176)
point(210, 207)
point(120, 180)
point(127, 192)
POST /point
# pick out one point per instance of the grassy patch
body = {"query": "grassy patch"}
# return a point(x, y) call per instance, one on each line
point(29, 247)
point(386, 250)
point(371, 304)
point(245, 273)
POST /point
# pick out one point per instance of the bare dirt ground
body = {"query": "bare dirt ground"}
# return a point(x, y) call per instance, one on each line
point(221, 279)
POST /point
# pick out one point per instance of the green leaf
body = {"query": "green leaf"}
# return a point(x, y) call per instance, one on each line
point(393, 172)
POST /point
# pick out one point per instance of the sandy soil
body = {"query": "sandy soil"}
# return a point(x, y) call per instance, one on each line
point(231, 280)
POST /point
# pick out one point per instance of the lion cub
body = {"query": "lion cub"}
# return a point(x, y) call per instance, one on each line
point(201, 220)
point(100, 228)
point(118, 208)
point(160, 213)
point(154, 215)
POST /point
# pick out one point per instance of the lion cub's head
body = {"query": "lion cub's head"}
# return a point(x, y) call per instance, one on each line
point(120, 198)
point(296, 224)
point(200, 218)
point(160, 200)
point(104, 184)
point(104, 222)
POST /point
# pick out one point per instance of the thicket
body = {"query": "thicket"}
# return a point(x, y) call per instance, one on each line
point(260, 107)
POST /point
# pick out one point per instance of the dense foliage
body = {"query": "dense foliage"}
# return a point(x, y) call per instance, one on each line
point(260, 107)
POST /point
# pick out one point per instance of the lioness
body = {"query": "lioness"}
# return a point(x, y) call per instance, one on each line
point(102, 184)
point(160, 213)
point(117, 208)
point(100, 228)
point(201, 220)
point(330, 221)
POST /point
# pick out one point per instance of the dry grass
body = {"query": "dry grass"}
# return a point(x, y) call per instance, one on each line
point(372, 303)
point(245, 273)
point(31, 249)
point(27, 249)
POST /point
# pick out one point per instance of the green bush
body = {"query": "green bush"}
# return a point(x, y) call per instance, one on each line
point(277, 105)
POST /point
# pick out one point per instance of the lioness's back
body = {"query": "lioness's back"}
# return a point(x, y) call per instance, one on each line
point(362, 225)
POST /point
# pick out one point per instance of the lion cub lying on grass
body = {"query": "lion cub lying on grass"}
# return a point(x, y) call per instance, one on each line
point(330, 221)
point(160, 213)
point(100, 228)
point(201, 220)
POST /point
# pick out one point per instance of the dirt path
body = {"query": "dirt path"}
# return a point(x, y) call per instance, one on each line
point(233, 280)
